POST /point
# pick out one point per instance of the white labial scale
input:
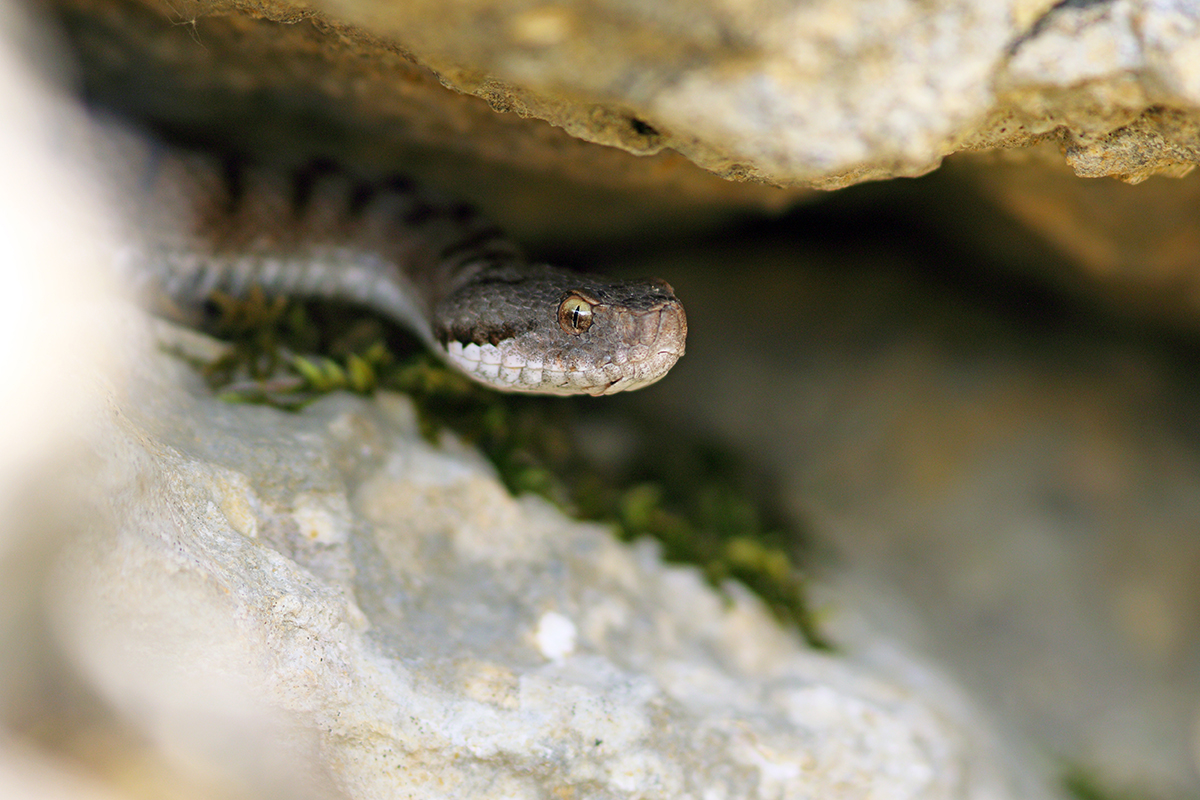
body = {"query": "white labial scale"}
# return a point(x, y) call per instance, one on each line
point(489, 362)
point(489, 354)
point(503, 368)
point(486, 361)
point(531, 372)
point(459, 358)
point(512, 364)
point(471, 359)
point(474, 359)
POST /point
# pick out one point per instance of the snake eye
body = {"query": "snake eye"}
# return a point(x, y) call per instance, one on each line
point(574, 314)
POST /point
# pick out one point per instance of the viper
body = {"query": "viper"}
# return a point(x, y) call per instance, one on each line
point(433, 264)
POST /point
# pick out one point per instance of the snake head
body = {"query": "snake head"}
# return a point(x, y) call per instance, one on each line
point(544, 330)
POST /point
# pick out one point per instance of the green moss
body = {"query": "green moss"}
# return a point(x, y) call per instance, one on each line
point(1083, 784)
point(270, 359)
point(704, 506)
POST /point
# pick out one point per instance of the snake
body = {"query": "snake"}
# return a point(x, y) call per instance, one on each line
point(207, 224)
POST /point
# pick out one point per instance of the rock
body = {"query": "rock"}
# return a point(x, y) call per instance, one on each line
point(328, 592)
point(253, 602)
point(54, 345)
point(796, 94)
point(823, 94)
point(1115, 80)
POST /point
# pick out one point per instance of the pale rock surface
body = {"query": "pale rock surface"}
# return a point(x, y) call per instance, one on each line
point(262, 588)
point(1118, 82)
point(830, 93)
point(813, 93)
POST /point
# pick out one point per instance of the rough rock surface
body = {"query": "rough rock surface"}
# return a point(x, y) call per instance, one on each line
point(311, 88)
point(424, 633)
point(817, 93)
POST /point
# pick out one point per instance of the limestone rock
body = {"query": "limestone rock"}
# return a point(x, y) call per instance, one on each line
point(327, 589)
point(1117, 81)
point(824, 94)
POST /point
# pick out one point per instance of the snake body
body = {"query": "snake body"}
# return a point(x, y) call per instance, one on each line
point(434, 265)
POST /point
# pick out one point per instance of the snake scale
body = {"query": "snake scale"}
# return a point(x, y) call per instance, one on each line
point(436, 266)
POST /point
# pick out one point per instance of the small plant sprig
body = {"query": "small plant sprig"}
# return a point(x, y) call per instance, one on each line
point(265, 363)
